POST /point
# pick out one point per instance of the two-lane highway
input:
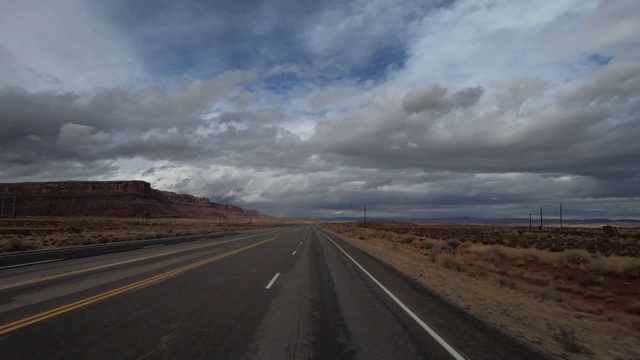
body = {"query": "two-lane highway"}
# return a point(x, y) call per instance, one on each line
point(293, 293)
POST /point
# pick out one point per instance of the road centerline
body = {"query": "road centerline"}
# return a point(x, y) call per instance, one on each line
point(100, 267)
point(81, 303)
point(275, 277)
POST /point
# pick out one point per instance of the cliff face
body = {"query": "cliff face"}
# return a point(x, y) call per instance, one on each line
point(78, 188)
point(184, 199)
point(109, 198)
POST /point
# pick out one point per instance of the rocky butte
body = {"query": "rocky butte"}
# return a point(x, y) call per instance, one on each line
point(121, 199)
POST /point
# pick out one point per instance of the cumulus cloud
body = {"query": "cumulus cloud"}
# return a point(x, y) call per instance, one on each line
point(583, 128)
point(82, 135)
point(283, 69)
point(62, 43)
point(417, 109)
point(435, 98)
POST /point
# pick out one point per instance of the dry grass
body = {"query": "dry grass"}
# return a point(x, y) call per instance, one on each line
point(571, 302)
point(23, 234)
point(614, 266)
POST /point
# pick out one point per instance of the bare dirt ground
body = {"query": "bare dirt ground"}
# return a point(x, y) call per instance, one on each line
point(575, 293)
point(23, 234)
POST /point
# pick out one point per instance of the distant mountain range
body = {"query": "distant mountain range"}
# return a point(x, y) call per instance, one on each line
point(122, 199)
point(553, 222)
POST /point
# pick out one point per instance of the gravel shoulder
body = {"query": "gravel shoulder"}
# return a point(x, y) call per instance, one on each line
point(555, 326)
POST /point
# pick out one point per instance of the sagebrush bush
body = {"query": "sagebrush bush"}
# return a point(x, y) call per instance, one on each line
point(440, 248)
point(103, 239)
point(508, 283)
point(569, 341)
point(632, 271)
point(452, 264)
point(616, 266)
point(407, 239)
point(574, 257)
point(453, 243)
point(591, 280)
point(633, 307)
point(493, 255)
point(21, 245)
point(434, 255)
point(88, 241)
point(478, 273)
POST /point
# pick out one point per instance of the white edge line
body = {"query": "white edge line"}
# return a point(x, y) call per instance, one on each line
point(415, 317)
point(31, 263)
point(272, 281)
point(152, 246)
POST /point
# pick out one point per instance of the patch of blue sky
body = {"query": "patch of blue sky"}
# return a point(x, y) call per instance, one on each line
point(599, 59)
point(306, 113)
point(590, 62)
point(203, 39)
point(339, 110)
point(378, 65)
point(177, 60)
point(281, 84)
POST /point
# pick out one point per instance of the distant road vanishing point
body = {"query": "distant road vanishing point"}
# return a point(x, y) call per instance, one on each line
point(287, 293)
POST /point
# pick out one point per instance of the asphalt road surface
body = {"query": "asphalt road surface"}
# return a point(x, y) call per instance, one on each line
point(293, 293)
point(29, 258)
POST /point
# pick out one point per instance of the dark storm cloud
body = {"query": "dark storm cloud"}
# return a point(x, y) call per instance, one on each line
point(152, 170)
point(413, 193)
point(257, 146)
point(57, 170)
point(24, 113)
point(177, 121)
point(203, 38)
point(82, 135)
point(580, 145)
point(62, 124)
point(435, 98)
point(588, 130)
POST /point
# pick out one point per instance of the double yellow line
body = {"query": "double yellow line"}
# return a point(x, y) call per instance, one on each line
point(78, 304)
point(75, 272)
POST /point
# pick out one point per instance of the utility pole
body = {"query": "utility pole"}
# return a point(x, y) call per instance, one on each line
point(3, 195)
point(530, 228)
point(541, 223)
point(14, 205)
point(560, 215)
point(365, 215)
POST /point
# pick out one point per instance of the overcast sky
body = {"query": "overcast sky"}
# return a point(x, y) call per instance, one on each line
point(313, 108)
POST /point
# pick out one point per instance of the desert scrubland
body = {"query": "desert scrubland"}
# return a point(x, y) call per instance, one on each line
point(575, 293)
point(24, 234)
